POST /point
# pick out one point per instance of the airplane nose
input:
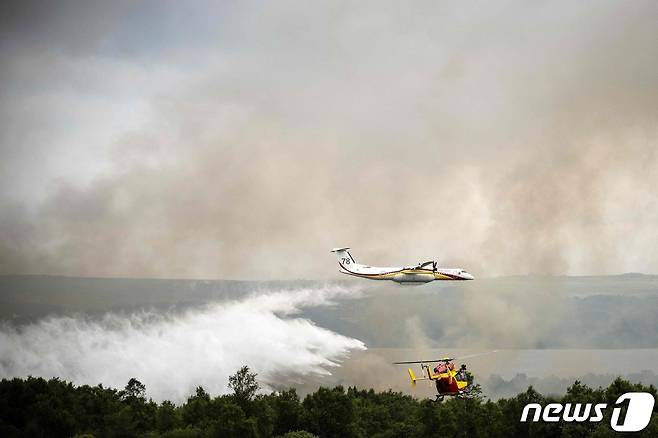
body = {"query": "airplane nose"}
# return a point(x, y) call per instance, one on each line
point(468, 276)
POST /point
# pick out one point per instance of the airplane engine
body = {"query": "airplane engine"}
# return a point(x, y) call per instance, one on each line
point(413, 278)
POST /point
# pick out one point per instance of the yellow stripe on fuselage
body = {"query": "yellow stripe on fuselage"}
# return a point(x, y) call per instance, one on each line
point(389, 275)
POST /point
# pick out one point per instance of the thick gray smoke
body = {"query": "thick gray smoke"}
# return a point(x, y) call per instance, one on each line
point(244, 140)
point(172, 354)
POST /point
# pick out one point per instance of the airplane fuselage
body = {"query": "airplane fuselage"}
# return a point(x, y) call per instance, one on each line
point(401, 274)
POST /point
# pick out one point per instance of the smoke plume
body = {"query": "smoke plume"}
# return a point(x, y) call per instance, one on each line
point(244, 140)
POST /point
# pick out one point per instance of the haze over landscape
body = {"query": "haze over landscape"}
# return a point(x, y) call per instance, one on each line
point(548, 330)
point(230, 145)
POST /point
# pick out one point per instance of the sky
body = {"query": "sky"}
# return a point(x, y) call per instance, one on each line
point(246, 139)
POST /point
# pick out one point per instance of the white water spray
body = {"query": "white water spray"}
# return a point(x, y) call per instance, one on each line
point(172, 354)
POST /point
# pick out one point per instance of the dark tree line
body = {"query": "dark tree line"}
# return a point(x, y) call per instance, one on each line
point(35, 407)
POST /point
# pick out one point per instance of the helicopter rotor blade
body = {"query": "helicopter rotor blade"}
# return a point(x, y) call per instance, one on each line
point(468, 356)
point(445, 359)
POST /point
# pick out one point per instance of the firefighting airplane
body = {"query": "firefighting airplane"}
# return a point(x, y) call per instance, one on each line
point(407, 275)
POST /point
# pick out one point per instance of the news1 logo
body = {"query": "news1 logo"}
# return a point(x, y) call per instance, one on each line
point(638, 413)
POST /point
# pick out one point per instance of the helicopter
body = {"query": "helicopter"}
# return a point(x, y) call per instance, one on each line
point(448, 380)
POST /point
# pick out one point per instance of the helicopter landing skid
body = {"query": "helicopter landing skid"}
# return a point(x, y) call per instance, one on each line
point(460, 394)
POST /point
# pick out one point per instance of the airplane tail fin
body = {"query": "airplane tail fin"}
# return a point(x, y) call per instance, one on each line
point(344, 256)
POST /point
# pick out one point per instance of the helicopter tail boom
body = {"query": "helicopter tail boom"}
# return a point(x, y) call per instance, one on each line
point(413, 377)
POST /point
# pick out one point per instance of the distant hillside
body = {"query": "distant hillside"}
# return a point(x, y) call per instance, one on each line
point(28, 297)
point(508, 312)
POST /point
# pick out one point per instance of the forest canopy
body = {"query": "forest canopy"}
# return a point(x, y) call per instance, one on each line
point(35, 407)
